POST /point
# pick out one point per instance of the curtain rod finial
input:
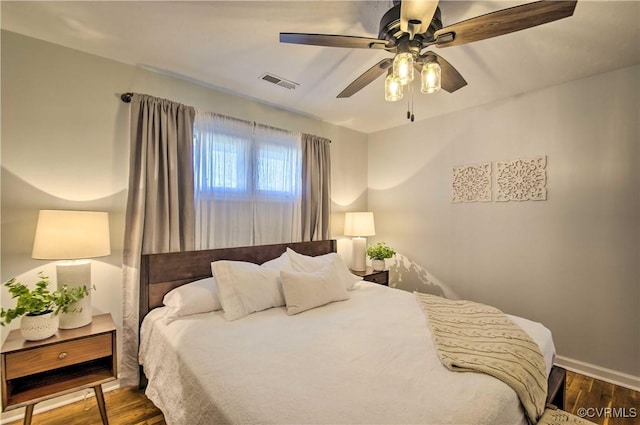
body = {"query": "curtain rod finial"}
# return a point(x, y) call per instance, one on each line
point(126, 97)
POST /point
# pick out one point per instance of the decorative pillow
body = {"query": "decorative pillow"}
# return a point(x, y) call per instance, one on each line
point(200, 296)
point(304, 291)
point(305, 263)
point(246, 287)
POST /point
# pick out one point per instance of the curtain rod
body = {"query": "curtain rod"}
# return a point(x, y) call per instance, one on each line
point(126, 97)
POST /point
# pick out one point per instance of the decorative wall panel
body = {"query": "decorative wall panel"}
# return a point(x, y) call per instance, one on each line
point(522, 179)
point(472, 183)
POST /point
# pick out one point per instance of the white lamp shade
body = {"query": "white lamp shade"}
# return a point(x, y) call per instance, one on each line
point(71, 235)
point(359, 224)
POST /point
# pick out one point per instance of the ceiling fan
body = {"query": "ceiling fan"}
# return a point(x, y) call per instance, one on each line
point(411, 27)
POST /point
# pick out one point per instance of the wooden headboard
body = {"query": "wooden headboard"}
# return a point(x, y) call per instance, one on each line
point(160, 273)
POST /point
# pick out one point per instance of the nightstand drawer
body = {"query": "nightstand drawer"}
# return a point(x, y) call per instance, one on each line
point(380, 278)
point(48, 357)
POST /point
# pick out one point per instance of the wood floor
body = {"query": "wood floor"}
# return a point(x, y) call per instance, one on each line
point(127, 406)
point(130, 407)
point(593, 397)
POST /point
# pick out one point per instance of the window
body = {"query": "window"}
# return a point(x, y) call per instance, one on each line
point(275, 170)
point(247, 183)
point(219, 165)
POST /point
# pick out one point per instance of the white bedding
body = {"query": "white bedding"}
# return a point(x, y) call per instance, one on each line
point(366, 360)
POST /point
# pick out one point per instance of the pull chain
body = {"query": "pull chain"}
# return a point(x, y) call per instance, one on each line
point(409, 104)
point(410, 115)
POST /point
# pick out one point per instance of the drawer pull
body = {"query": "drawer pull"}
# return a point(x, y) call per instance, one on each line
point(62, 355)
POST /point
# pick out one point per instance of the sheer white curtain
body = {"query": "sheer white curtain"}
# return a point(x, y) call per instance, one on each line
point(247, 183)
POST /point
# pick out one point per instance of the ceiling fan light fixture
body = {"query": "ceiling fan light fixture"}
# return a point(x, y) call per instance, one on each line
point(411, 26)
point(403, 67)
point(430, 77)
point(392, 88)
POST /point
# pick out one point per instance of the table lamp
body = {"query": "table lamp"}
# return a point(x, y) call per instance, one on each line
point(359, 225)
point(72, 236)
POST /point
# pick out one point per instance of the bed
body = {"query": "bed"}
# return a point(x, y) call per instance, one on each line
point(366, 359)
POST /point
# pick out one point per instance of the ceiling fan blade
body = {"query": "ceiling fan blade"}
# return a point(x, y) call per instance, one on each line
point(504, 22)
point(450, 78)
point(332, 40)
point(367, 77)
point(416, 15)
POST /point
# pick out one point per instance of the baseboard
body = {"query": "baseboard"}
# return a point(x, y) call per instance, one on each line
point(601, 373)
point(18, 414)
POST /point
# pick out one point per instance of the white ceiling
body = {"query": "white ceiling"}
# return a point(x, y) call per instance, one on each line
point(230, 44)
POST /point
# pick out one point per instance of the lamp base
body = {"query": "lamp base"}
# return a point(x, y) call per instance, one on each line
point(74, 274)
point(358, 256)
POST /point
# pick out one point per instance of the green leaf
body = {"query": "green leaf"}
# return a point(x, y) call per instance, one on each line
point(40, 299)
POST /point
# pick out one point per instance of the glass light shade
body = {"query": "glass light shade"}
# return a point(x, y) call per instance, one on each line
point(359, 224)
point(403, 68)
point(392, 89)
point(430, 78)
point(71, 235)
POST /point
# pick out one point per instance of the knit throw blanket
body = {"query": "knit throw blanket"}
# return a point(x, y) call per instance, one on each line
point(474, 337)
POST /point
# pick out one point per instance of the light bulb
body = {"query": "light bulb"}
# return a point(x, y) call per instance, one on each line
point(403, 67)
point(430, 78)
point(392, 89)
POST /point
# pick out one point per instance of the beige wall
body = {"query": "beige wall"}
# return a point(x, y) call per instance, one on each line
point(65, 146)
point(571, 262)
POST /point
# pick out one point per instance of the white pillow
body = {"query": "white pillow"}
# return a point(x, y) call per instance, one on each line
point(304, 291)
point(305, 263)
point(246, 287)
point(200, 296)
point(280, 263)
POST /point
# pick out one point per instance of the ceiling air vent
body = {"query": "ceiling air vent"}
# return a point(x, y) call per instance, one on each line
point(279, 81)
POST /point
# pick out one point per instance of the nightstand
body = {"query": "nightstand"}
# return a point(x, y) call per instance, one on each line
point(71, 360)
point(381, 277)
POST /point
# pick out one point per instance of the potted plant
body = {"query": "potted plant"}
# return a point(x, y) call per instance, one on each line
point(39, 307)
point(378, 253)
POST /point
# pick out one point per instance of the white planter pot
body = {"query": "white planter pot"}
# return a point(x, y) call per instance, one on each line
point(35, 328)
point(378, 265)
